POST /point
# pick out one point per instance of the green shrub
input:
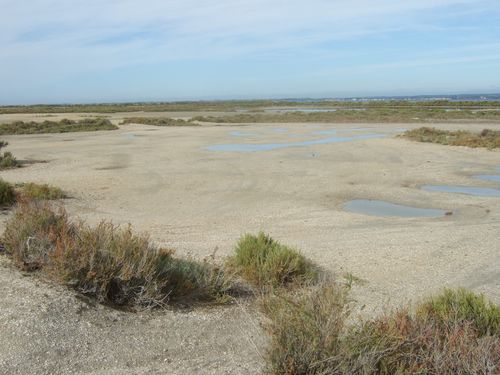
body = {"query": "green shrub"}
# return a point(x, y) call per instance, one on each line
point(463, 305)
point(42, 191)
point(266, 263)
point(7, 194)
point(309, 335)
point(109, 263)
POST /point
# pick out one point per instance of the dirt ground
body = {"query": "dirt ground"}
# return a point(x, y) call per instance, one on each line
point(167, 181)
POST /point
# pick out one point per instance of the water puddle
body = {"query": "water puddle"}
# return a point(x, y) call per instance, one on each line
point(305, 110)
point(488, 177)
point(383, 208)
point(325, 132)
point(274, 146)
point(469, 190)
point(237, 133)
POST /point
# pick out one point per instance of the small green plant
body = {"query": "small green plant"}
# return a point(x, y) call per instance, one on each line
point(157, 121)
point(265, 263)
point(487, 138)
point(109, 263)
point(41, 191)
point(7, 160)
point(7, 194)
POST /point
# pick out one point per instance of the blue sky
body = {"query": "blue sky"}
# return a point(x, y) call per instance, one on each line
point(68, 51)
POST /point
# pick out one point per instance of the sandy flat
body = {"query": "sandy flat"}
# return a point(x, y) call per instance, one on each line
point(168, 182)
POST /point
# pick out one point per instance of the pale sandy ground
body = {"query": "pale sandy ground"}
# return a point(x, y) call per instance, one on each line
point(164, 181)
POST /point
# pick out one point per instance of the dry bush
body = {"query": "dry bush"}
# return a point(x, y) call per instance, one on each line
point(447, 335)
point(106, 262)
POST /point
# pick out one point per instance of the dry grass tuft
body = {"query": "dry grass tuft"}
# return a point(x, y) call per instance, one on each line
point(41, 191)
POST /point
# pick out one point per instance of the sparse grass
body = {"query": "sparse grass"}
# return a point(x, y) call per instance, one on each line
point(63, 126)
point(310, 335)
point(106, 262)
point(487, 138)
point(41, 191)
point(7, 160)
point(7, 194)
point(266, 263)
point(453, 333)
point(158, 121)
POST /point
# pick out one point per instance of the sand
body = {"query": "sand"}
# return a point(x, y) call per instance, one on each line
point(165, 181)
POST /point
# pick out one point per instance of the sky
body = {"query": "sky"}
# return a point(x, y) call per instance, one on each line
point(72, 51)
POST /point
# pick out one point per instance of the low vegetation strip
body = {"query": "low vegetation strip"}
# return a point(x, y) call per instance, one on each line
point(266, 263)
point(106, 262)
point(310, 333)
point(63, 126)
point(487, 138)
point(233, 105)
point(157, 121)
point(360, 115)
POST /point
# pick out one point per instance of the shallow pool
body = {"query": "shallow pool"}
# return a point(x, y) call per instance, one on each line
point(253, 147)
point(469, 190)
point(488, 177)
point(383, 208)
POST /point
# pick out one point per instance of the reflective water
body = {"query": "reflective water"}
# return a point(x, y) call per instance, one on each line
point(251, 147)
point(237, 133)
point(305, 110)
point(470, 190)
point(325, 132)
point(383, 208)
point(488, 177)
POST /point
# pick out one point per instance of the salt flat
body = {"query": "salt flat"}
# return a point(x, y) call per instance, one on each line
point(169, 182)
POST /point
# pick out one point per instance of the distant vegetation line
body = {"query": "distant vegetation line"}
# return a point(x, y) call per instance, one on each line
point(241, 105)
point(394, 115)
